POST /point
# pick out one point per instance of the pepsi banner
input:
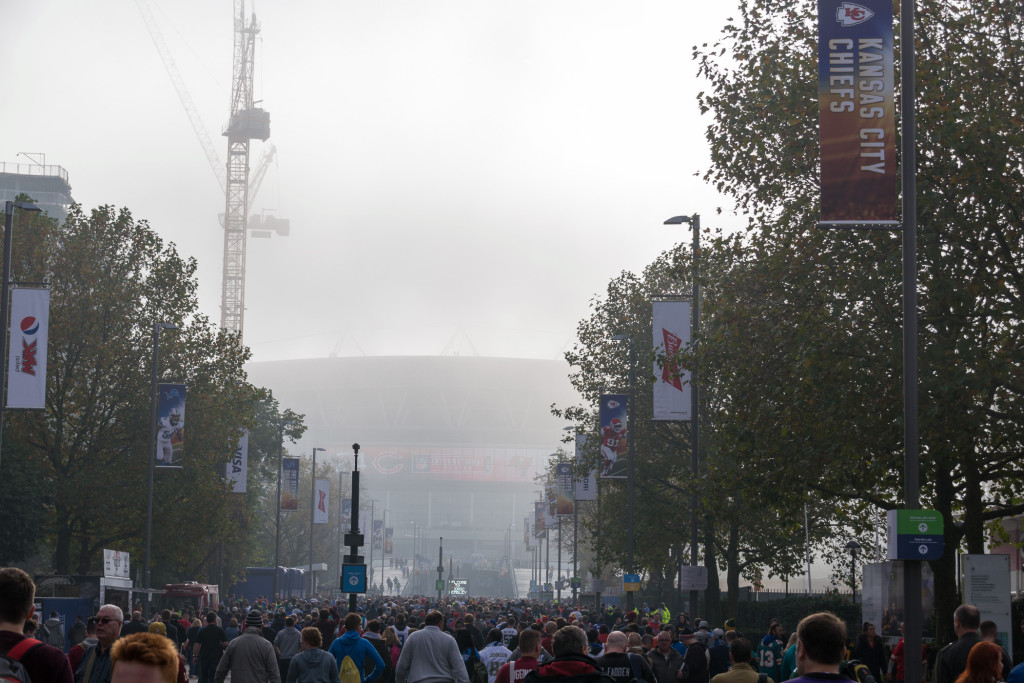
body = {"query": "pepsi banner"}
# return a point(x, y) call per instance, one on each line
point(26, 363)
point(614, 437)
point(857, 113)
point(672, 394)
point(321, 501)
point(289, 483)
point(170, 425)
point(238, 468)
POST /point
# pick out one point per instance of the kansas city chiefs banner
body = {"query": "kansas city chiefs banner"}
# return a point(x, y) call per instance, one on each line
point(321, 503)
point(614, 439)
point(238, 468)
point(584, 488)
point(26, 366)
point(857, 112)
point(671, 325)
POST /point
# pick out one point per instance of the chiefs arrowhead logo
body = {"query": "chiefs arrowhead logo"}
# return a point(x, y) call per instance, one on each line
point(851, 14)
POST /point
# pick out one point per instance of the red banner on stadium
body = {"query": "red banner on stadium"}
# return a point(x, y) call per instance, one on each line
point(857, 113)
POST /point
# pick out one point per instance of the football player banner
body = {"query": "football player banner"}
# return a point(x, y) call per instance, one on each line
point(289, 483)
point(540, 514)
point(672, 393)
point(585, 488)
point(322, 501)
point(614, 439)
point(26, 362)
point(239, 465)
point(378, 534)
point(170, 425)
point(389, 540)
point(857, 113)
point(564, 504)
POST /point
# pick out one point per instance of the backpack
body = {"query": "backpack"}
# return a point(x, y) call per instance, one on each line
point(856, 671)
point(348, 672)
point(638, 670)
point(476, 670)
point(11, 668)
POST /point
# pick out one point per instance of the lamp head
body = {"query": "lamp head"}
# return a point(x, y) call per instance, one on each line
point(677, 220)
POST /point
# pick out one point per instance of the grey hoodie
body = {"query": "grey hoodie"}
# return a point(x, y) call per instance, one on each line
point(56, 633)
point(313, 666)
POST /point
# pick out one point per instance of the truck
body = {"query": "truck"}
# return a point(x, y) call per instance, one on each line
point(259, 583)
point(199, 597)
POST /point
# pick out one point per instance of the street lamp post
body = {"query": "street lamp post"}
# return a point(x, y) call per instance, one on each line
point(281, 424)
point(5, 294)
point(694, 221)
point(853, 547)
point(312, 511)
point(152, 442)
point(632, 459)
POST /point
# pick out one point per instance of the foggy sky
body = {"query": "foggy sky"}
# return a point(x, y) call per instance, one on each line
point(461, 176)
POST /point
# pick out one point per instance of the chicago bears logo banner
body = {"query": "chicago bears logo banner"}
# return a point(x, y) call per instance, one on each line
point(26, 363)
point(671, 325)
point(322, 501)
point(614, 438)
point(857, 113)
point(238, 468)
point(170, 425)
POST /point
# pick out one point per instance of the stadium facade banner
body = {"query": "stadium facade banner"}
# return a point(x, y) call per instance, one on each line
point(614, 420)
point(585, 488)
point(857, 113)
point(322, 501)
point(378, 534)
point(26, 362)
point(389, 540)
point(289, 483)
point(672, 393)
point(170, 425)
point(238, 468)
point(450, 463)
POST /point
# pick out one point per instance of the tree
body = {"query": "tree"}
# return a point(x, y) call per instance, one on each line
point(970, 145)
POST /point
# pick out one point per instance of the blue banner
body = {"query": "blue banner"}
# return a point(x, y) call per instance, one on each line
point(170, 425)
point(614, 437)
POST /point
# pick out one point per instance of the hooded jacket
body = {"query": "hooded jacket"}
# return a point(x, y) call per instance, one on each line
point(359, 649)
point(568, 666)
point(312, 666)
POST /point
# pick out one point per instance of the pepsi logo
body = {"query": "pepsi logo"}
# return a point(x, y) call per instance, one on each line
point(29, 325)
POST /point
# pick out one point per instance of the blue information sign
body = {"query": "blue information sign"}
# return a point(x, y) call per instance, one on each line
point(353, 578)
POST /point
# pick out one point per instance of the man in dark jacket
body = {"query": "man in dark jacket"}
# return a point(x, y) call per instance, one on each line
point(621, 665)
point(952, 659)
point(571, 661)
point(665, 661)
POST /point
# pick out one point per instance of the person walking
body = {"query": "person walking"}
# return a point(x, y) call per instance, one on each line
point(312, 664)
point(430, 655)
point(250, 657)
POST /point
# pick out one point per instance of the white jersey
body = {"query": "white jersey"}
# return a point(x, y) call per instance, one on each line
point(507, 635)
point(493, 658)
point(402, 634)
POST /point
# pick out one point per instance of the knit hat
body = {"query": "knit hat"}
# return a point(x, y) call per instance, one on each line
point(254, 618)
point(158, 627)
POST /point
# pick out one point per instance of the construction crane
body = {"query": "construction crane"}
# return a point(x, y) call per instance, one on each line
point(246, 123)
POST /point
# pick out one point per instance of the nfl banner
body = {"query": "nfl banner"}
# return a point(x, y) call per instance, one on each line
point(26, 363)
point(526, 530)
point(378, 534)
point(322, 501)
point(671, 325)
point(535, 536)
point(614, 439)
point(170, 425)
point(239, 465)
point(346, 513)
point(389, 540)
point(857, 113)
point(585, 488)
point(290, 484)
point(564, 504)
point(540, 515)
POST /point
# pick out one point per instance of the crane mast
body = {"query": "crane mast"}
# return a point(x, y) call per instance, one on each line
point(247, 122)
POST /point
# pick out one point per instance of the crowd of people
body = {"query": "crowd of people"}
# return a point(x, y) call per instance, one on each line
point(422, 640)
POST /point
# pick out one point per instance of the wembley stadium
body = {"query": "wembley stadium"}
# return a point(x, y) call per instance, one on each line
point(450, 445)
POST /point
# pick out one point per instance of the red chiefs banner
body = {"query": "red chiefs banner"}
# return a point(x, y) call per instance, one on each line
point(857, 113)
point(671, 326)
point(26, 364)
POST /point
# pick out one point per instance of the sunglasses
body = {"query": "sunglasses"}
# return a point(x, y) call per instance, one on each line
point(106, 620)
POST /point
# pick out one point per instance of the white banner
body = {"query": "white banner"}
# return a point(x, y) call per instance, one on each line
point(26, 367)
point(986, 583)
point(585, 487)
point(671, 327)
point(115, 564)
point(323, 501)
point(239, 466)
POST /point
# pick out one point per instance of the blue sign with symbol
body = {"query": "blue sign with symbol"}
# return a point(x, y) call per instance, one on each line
point(353, 578)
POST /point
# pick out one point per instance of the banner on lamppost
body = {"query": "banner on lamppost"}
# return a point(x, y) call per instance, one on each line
point(26, 362)
point(378, 534)
point(322, 501)
point(239, 466)
point(535, 536)
point(289, 483)
point(672, 393)
point(857, 113)
point(170, 425)
point(540, 515)
point(585, 487)
point(614, 438)
point(389, 540)
point(564, 503)
point(346, 513)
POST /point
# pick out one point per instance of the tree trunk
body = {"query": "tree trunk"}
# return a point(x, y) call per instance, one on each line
point(732, 577)
point(713, 594)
